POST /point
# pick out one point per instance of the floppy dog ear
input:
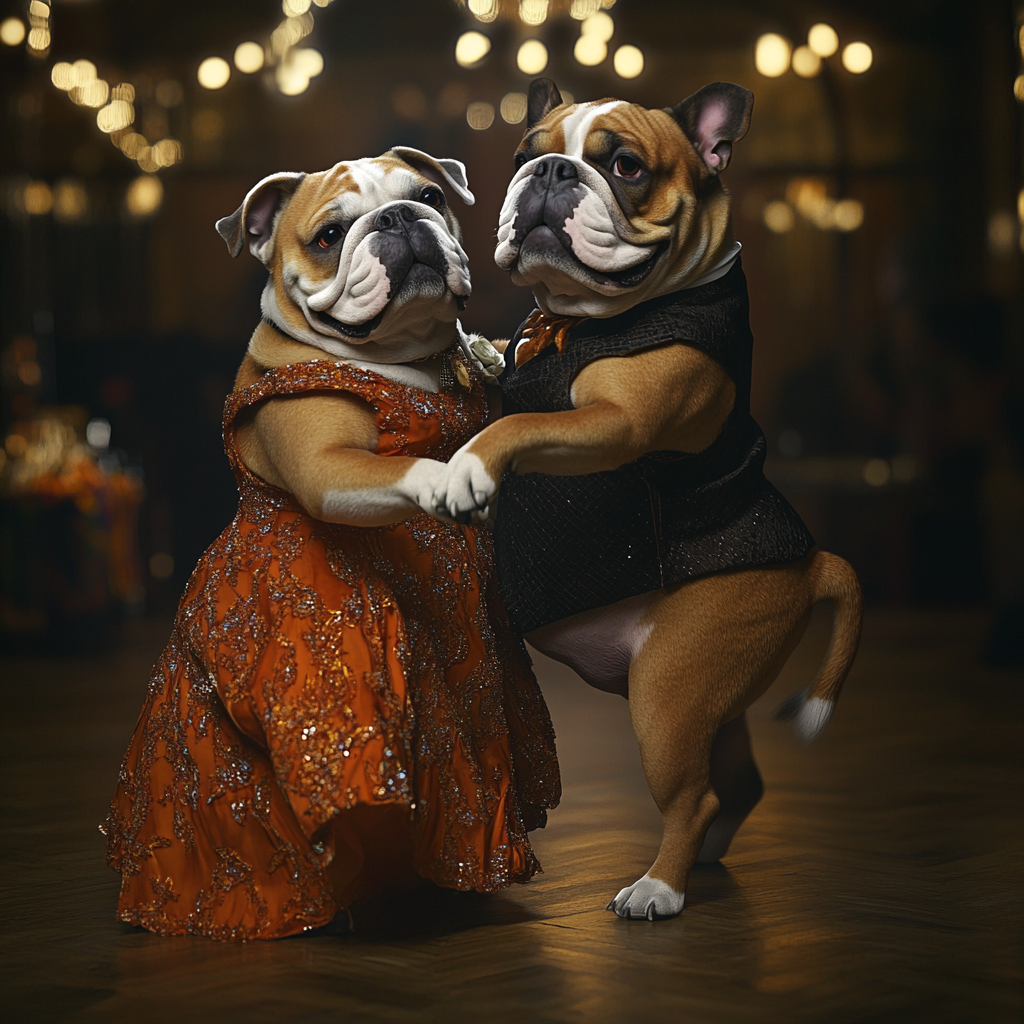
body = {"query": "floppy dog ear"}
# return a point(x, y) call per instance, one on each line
point(439, 171)
point(713, 118)
point(542, 98)
point(253, 221)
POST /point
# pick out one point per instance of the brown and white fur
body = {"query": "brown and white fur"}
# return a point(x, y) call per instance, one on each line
point(613, 204)
point(365, 266)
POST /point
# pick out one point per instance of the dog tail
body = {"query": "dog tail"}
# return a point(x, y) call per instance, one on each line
point(832, 579)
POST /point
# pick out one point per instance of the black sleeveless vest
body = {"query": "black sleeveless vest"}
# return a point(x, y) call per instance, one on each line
point(566, 544)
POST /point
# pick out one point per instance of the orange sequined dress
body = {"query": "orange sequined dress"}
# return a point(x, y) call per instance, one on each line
point(314, 668)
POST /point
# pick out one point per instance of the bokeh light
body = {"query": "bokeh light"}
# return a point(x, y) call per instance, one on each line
point(409, 102)
point(115, 116)
point(857, 58)
point(144, 196)
point(298, 67)
point(823, 39)
point(38, 42)
point(806, 63)
point(12, 31)
point(249, 57)
point(214, 73)
point(480, 115)
point(771, 55)
point(484, 10)
point(600, 25)
point(70, 201)
point(533, 12)
point(37, 198)
point(778, 217)
point(532, 57)
point(295, 8)
point(471, 48)
point(848, 214)
point(513, 107)
point(590, 50)
point(628, 61)
point(1018, 88)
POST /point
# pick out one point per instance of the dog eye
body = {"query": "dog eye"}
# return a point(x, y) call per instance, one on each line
point(627, 167)
point(521, 159)
point(432, 197)
point(330, 235)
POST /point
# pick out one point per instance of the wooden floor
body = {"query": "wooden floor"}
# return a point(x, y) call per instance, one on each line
point(879, 880)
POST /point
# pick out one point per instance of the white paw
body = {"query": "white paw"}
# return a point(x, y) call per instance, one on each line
point(425, 481)
point(648, 898)
point(470, 487)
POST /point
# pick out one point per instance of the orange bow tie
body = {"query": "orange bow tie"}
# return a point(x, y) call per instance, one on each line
point(539, 331)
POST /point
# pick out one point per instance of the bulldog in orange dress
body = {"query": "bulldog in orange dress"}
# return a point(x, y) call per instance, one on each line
point(342, 705)
point(638, 540)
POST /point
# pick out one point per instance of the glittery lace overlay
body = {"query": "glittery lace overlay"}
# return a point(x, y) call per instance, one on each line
point(313, 667)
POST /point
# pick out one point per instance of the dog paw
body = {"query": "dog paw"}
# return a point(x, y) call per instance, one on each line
point(470, 486)
point(424, 481)
point(649, 899)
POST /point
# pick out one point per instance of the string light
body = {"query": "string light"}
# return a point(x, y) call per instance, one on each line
point(823, 39)
point(533, 12)
point(38, 42)
point(806, 62)
point(471, 48)
point(628, 61)
point(778, 217)
point(480, 115)
point(513, 107)
point(12, 31)
point(532, 57)
point(771, 55)
point(249, 57)
point(484, 10)
point(213, 73)
point(857, 58)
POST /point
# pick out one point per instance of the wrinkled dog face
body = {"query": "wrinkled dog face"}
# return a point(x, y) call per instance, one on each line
point(365, 259)
point(612, 203)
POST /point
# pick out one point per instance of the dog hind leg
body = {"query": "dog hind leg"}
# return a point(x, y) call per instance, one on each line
point(737, 783)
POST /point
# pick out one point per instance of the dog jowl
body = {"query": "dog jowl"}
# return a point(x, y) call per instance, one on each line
point(360, 256)
point(612, 204)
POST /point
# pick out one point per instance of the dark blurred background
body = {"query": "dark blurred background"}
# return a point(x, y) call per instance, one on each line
point(878, 196)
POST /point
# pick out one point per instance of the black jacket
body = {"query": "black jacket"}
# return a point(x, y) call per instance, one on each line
point(566, 544)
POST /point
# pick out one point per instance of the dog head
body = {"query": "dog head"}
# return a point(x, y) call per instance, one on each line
point(365, 259)
point(612, 203)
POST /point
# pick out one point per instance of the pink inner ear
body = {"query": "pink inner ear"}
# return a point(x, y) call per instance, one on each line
point(259, 218)
point(709, 135)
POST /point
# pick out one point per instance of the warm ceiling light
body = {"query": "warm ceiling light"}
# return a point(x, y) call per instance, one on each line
point(771, 55)
point(806, 63)
point(248, 57)
point(471, 48)
point(590, 50)
point(214, 73)
point(823, 39)
point(628, 62)
point(12, 31)
point(532, 57)
point(513, 107)
point(600, 25)
point(857, 58)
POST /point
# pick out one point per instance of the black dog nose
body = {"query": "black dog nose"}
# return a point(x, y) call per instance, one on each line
point(392, 217)
point(558, 167)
